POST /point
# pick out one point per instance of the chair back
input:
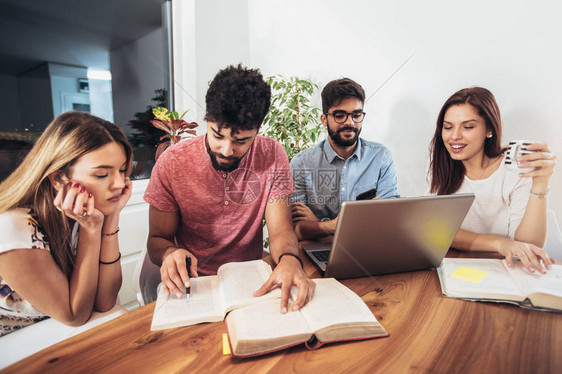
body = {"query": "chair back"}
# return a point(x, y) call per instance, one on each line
point(553, 244)
point(146, 278)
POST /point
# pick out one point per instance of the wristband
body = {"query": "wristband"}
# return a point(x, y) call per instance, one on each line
point(290, 254)
point(112, 262)
point(111, 233)
point(541, 195)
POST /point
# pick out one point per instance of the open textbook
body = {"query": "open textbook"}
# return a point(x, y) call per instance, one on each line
point(335, 313)
point(214, 296)
point(493, 280)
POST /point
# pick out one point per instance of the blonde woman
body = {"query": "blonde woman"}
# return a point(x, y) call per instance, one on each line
point(59, 219)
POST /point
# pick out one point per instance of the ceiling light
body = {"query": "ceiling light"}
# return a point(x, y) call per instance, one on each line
point(104, 75)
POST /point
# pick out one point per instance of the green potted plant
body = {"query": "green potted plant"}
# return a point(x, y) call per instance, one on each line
point(291, 119)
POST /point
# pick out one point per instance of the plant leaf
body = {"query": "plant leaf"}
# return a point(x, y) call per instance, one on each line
point(183, 114)
point(161, 113)
point(161, 125)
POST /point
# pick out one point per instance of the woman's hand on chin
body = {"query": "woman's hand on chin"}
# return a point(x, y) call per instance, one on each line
point(77, 203)
point(125, 195)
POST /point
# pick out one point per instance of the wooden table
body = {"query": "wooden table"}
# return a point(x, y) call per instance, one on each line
point(428, 334)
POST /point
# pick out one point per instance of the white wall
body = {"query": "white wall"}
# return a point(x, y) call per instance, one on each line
point(133, 232)
point(509, 47)
point(207, 36)
point(101, 98)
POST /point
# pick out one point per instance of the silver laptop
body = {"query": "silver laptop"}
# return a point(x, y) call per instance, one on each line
point(376, 237)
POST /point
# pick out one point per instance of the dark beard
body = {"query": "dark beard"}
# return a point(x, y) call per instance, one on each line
point(226, 168)
point(336, 138)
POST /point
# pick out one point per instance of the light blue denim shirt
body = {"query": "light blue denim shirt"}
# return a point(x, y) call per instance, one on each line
point(323, 180)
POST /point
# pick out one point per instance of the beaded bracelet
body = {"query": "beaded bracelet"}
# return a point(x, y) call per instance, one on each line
point(540, 195)
point(111, 233)
point(112, 262)
point(293, 255)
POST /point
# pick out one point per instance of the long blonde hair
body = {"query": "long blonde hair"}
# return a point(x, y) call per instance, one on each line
point(68, 137)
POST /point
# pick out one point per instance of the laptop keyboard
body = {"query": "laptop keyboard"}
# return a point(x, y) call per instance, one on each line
point(322, 256)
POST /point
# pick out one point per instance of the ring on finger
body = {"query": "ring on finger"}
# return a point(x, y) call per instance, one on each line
point(85, 214)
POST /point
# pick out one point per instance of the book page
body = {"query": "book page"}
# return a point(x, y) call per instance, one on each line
point(263, 327)
point(529, 283)
point(495, 282)
point(239, 280)
point(203, 305)
point(333, 304)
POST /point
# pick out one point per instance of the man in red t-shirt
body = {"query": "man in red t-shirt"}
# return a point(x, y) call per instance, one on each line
point(208, 195)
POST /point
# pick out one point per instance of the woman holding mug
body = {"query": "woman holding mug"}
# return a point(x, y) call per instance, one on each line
point(508, 214)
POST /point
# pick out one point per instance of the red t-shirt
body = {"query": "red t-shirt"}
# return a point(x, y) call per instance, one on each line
point(221, 213)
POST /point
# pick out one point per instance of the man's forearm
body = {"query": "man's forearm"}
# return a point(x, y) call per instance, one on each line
point(158, 248)
point(314, 230)
point(281, 243)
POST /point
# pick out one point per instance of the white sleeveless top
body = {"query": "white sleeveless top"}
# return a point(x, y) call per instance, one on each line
point(19, 230)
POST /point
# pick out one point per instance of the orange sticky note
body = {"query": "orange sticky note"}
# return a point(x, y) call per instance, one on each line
point(469, 274)
point(225, 345)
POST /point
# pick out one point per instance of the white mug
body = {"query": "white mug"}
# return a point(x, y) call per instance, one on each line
point(516, 149)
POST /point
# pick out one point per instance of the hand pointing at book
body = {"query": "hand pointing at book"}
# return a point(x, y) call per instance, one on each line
point(287, 273)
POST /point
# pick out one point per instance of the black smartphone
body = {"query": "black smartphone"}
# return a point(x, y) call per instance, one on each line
point(367, 195)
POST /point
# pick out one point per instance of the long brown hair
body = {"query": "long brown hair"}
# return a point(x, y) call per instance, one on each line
point(446, 174)
point(68, 137)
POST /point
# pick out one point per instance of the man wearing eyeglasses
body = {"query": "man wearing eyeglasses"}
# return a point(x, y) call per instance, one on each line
point(338, 168)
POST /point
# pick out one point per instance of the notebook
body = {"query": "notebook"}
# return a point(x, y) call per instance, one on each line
point(385, 236)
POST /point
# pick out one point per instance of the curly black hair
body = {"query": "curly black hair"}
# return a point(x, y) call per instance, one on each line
point(238, 98)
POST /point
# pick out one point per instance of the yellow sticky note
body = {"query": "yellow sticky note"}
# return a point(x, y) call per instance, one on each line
point(469, 274)
point(225, 345)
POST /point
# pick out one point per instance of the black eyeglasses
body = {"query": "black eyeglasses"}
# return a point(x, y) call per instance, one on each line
point(341, 117)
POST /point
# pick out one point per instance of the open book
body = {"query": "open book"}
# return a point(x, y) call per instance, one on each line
point(335, 313)
point(214, 296)
point(493, 280)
